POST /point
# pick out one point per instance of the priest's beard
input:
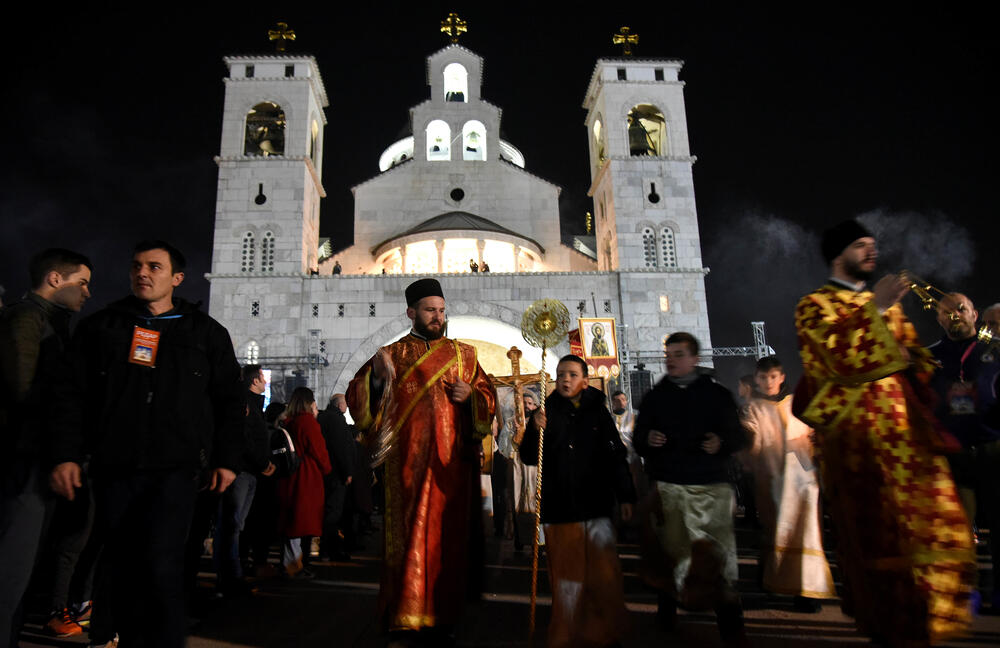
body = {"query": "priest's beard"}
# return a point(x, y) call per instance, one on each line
point(430, 333)
point(853, 269)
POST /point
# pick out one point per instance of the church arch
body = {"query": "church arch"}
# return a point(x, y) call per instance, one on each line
point(438, 140)
point(473, 140)
point(456, 83)
point(647, 130)
point(487, 321)
point(265, 130)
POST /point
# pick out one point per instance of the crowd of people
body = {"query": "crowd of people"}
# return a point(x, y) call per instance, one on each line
point(135, 440)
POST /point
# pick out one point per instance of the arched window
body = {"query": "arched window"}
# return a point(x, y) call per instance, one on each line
point(649, 247)
point(252, 353)
point(265, 134)
point(668, 251)
point(647, 131)
point(438, 140)
point(314, 143)
point(598, 142)
point(473, 141)
point(267, 252)
point(249, 256)
point(456, 83)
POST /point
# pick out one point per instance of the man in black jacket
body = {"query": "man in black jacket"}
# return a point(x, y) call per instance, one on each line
point(152, 395)
point(965, 385)
point(688, 426)
point(33, 336)
point(340, 447)
point(234, 504)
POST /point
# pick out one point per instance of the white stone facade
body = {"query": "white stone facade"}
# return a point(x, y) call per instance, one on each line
point(326, 326)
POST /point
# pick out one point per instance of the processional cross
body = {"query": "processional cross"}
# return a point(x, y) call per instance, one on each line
point(281, 35)
point(453, 26)
point(516, 380)
point(626, 39)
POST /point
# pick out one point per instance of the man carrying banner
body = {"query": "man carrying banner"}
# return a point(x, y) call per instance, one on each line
point(426, 404)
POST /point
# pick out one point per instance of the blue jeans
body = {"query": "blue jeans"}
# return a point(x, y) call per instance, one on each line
point(234, 504)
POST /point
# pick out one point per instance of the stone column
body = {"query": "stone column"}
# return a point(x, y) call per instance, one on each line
point(480, 246)
point(439, 244)
point(402, 259)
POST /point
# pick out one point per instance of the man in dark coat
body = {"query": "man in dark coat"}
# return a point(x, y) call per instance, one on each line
point(234, 504)
point(340, 447)
point(688, 425)
point(33, 336)
point(152, 394)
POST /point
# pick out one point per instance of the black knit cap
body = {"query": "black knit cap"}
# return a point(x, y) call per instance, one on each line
point(422, 288)
point(837, 238)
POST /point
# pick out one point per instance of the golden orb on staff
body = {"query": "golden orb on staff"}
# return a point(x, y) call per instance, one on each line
point(545, 324)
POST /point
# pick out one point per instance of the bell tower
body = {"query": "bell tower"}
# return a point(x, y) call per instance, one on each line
point(645, 217)
point(270, 166)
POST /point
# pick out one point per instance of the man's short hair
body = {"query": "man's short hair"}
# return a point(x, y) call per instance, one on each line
point(177, 260)
point(681, 337)
point(249, 373)
point(575, 358)
point(60, 260)
point(768, 363)
point(618, 393)
point(747, 380)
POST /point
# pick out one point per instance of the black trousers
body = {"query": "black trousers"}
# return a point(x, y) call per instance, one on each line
point(144, 518)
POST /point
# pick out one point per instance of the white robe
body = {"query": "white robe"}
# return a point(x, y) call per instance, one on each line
point(787, 494)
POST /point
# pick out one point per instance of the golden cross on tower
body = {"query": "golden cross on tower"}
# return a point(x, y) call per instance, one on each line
point(627, 39)
point(282, 35)
point(453, 26)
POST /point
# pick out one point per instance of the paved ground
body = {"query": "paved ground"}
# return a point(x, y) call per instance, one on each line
point(337, 609)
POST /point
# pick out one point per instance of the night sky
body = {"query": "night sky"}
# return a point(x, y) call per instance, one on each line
point(797, 120)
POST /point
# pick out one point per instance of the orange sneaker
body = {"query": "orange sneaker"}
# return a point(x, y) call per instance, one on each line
point(61, 624)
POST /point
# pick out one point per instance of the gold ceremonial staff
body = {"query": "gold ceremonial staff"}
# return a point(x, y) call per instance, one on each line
point(544, 324)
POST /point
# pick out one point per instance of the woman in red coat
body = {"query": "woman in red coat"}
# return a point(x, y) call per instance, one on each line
point(301, 494)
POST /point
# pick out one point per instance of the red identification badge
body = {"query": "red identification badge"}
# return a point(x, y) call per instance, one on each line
point(144, 345)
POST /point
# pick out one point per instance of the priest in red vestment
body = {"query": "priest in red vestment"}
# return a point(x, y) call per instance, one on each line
point(425, 404)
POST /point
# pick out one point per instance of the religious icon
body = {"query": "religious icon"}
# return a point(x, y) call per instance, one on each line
point(598, 338)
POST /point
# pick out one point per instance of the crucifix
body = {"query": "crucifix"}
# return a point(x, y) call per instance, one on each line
point(282, 35)
point(627, 39)
point(453, 26)
point(516, 380)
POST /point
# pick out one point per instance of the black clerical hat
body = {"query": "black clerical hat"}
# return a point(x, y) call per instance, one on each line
point(422, 288)
point(837, 238)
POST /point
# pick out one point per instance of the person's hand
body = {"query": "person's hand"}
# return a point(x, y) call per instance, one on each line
point(381, 365)
point(267, 472)
point(889, 290)
point(626, 509)
point(220, 480)
point(65, 479)
point(712, 443)
point(656, 439)
point(538, 418)
point(458, 391)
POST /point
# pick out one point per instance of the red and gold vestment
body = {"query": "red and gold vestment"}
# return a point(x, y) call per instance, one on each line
point(902, 537)
point(431, 474)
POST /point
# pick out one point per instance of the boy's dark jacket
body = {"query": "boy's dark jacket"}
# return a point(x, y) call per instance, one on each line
point(585, 465)
point(186, 413)
point(685, 415)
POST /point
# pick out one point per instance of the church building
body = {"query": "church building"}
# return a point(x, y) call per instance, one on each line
point(449, 199)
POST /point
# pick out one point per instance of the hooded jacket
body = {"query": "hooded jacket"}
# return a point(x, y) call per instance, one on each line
point(186, 412)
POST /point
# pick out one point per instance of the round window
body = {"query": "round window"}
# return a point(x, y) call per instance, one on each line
point(457, 194)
